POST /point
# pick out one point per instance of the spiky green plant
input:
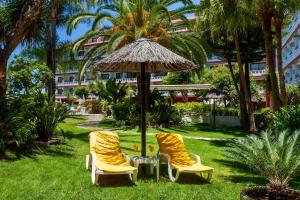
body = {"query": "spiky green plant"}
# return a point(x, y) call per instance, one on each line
point(274, 157)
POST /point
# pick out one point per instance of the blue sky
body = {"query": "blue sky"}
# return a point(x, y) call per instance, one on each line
point(79, 31)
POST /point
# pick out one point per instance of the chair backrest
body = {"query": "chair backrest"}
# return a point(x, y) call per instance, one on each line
point(172, 144)
point(106, 146)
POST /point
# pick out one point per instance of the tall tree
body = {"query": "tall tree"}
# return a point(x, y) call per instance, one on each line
point(283, 9)
point(16, 19)
point(133, 19)
point(265, 12)
point(234, 17)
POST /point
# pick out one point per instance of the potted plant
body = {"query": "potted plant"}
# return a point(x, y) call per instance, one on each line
point(275, 157)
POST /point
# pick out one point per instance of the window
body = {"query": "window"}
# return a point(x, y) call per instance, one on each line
point(119, 75)
point(104, 76)
point(60, 79)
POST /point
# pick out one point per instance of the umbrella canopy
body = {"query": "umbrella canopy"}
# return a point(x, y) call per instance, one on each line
point(143, 56)
point(156, 57)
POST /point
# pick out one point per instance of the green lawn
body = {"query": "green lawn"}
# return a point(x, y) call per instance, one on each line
point(58, 172)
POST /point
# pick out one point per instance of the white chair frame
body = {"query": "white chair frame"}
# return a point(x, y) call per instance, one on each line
point(91, 164)
point(167, 158)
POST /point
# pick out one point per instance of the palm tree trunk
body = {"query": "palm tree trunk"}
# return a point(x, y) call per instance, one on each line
point(271, 64)
point(244, 86)
point(3, 64)
point(243, 108)
point(278, 37)
point(51, 48)
point(31, 10)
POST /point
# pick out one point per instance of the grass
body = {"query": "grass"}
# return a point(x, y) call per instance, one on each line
point(58, 172)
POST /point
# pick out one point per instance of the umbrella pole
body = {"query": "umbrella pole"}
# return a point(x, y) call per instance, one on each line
point(143, 107)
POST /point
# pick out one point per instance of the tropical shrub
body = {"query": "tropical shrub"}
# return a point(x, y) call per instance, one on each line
point(263, 118)
point(164, 114)
point(27, 76)
point(46, 116)
point(82, 92)
point(224, 111)
point(293, 94)
point(127, 111)
point(14, 121)
point(287, 118)
point(273, 156)
point(192, 108)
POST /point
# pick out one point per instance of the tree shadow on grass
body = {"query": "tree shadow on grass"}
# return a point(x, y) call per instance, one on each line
point(83, 136)
point(32, 151)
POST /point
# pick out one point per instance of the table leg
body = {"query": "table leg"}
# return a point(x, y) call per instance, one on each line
point(151, 168)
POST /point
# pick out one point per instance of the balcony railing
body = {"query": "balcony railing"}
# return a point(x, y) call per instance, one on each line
point(291, 28)
point(259, 72)
point(286, 60)
point(123, 80)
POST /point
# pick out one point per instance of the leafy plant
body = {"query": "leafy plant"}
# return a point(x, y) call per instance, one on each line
point(110, 90)
point(287, 118)
point(293, 94)
point(274, 157)
point(263, 117)
point(13, 121)
point(46, 116)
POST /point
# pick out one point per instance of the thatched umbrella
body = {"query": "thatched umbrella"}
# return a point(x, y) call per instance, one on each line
point(143, 56)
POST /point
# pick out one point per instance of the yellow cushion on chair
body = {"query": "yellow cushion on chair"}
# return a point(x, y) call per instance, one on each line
point(106, 146)
point(172, 144)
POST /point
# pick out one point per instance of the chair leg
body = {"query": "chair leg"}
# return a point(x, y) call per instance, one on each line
point(209, 176)
point(95, 178)
point(133, 176)
point(88, 162)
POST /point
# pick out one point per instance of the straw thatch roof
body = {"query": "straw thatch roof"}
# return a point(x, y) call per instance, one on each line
point(156, 57)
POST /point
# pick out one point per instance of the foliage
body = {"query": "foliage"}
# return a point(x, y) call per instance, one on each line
point(198, 108)
point(110, 90)
point(192, 108)
point(126, 110)
point(46, 116)
point(134, 19)
point(164, 114)
point(274, 157)
point(176, 78)
point(14, 121)
point(82, 92)
point(27, 76)
point(263, 118)
point(287, 118)
point(293, 94)
point(219, 77)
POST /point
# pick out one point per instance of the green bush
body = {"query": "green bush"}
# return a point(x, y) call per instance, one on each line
point(274, 157)
point(192, 108)
point(46, 116)
point(263, 119)
point(14, 121)
point(164, 114)
point(224, 111)
point(126, 110)
point(287, 118)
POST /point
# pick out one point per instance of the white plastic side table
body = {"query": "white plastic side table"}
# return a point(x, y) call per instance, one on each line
point(153, 161)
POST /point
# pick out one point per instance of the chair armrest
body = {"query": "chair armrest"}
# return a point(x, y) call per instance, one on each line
point(127, 158)
point(165, 156)
point(196, 157)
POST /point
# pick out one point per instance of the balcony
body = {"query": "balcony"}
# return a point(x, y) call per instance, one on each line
point(289, 58)
point(291, 28)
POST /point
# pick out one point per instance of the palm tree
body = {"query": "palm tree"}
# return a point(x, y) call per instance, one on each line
point(16, 20)
point(283, 9)
point(233, 17)
point(134, 19)
point(274, 157)
point(57, 13)
point(110, 90)
point(265, 12)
